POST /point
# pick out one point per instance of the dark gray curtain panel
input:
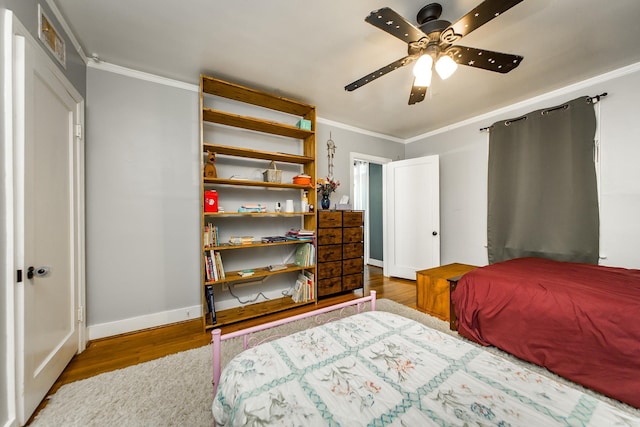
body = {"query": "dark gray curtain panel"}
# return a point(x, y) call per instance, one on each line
point(543, 199)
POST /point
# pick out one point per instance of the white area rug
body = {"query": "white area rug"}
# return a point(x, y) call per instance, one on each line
point(176, 390)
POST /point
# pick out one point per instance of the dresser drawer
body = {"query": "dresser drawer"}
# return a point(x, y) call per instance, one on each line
point(353, 266)
point(329, 286)
point(329, 253)
point(329, 269)
point(352, 234)
point(351, 282)
point(352, 250)
point(327, 219)
point(330, 236)
point(352, 218)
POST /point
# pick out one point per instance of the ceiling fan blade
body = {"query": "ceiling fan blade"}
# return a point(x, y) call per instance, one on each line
point(390, 21)
point(485, 59)
point(380, 72)
point(417, 93)
point(483, 13)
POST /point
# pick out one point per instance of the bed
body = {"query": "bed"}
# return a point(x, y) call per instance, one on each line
point(379, 368)
point(580, 321)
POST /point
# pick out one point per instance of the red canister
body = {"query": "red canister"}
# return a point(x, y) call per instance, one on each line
point(211, 201)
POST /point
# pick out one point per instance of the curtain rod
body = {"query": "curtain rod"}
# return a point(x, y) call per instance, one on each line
point(591, 99)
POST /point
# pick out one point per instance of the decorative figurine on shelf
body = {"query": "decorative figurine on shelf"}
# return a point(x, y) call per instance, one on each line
point(210, 167)
point(325, 187)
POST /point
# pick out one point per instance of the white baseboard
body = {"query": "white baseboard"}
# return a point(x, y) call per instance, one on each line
point(152, 320)
point(376, 262)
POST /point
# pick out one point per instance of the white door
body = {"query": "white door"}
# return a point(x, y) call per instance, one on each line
point(412, 225)
point(48, 246)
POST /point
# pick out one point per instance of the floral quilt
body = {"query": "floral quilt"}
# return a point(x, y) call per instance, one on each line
point(378, 368)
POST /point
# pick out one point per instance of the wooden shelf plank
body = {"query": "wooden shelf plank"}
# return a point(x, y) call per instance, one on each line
point(249, 183)
point(238, 314)
point(257, 154)
point(227, 246)
point(213, 86)
point(255, 214)
point(251, 123)
point(233, 276)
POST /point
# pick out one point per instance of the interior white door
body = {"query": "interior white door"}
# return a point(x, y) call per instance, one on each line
point(47, 241)
point(412, 225)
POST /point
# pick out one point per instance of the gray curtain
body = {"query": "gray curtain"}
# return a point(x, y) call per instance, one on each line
point(543, 199)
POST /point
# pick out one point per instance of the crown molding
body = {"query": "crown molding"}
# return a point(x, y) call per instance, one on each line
point(584, 84)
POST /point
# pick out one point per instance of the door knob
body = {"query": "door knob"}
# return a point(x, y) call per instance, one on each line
point(39, 272)
point(435, 233)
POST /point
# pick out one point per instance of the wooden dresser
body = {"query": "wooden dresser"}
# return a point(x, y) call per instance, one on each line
point(340, 252)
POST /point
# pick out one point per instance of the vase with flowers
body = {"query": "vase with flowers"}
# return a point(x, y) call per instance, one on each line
point(326, 186)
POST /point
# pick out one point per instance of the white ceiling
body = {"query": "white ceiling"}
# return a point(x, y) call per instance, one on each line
point(310, 50)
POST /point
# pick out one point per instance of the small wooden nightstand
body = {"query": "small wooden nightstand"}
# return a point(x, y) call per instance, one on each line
point(433, 289)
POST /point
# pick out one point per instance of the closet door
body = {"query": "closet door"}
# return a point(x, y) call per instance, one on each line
point(49, 238)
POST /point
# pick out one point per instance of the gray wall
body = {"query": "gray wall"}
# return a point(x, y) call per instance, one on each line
point(142, 199)
point(463, 172)
point(143, 189)
point(348, 141)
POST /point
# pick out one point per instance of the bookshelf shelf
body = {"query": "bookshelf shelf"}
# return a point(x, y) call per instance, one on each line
point(256, 214)
point(226, 246)
point(259, 273)
point(249, 183)
point(257, 154)
point(216, 124)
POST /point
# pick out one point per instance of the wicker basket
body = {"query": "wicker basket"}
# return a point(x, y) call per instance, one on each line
point(272, 174)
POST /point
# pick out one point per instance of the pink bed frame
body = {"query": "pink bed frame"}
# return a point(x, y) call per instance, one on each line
point(244, 333)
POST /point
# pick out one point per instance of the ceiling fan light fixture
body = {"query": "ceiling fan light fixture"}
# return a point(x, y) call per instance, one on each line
point(422, 71)
point(423, 65)
point(445, 67)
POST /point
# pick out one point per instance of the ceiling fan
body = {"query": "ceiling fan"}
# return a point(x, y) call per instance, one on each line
point(430, 45)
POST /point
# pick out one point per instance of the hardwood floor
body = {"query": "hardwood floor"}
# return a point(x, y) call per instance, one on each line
point(118, 352)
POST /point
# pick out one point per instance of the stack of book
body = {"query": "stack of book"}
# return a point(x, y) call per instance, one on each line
point(305, 255)
point(273, 239)
point(301, 234)
point(252, 208)
point(304, 289)
point(211, 235)
point(240, 240)
point(214, 270)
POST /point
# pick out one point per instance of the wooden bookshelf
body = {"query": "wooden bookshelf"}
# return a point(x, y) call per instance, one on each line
point(213, 119)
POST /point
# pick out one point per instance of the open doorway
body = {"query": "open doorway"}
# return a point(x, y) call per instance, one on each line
point(366, 194)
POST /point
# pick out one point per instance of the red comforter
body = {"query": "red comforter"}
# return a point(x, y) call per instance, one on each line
point(580, 321)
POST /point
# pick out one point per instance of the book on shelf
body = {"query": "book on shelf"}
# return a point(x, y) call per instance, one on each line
point(240, 240)
point(252, 208)
point(246, 273)
point(311, 282)
point(304, 255)
point(213, 266)
point(208, 292)
point(211, 235)
point(273, 239)
point(300, 234)
point(304, 289)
